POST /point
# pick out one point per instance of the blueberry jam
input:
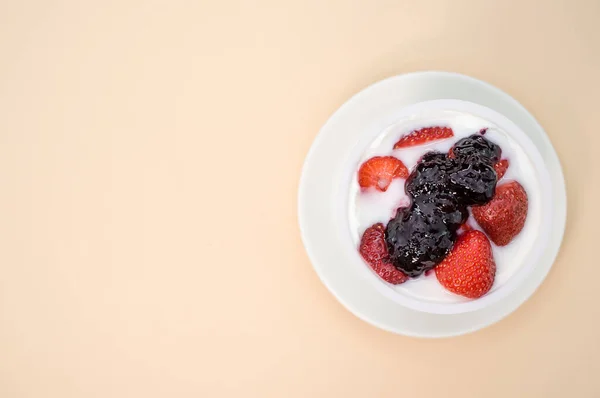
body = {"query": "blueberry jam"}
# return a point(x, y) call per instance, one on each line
point(441, 187)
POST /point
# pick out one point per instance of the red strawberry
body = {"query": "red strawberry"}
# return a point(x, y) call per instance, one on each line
point(501, 166)
point(469, 269)
point(379, 172)
point(504, 216)
point(373, 249)
point(465, 227)
point(421, 136)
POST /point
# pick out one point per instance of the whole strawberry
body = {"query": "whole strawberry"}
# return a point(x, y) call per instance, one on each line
point(504, 216)
point(373, 249)
point(469, 269)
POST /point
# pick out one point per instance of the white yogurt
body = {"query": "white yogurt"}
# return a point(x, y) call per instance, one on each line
point(367, 207)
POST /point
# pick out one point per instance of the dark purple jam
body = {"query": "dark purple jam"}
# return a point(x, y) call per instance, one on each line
point(441, 187)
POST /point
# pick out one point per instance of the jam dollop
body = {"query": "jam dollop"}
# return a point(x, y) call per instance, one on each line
point(441, 188)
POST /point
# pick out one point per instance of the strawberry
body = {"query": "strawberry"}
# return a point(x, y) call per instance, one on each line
point(373, 249)
point(465, 227)
point(379, 172)
point(424, 135)
point(469, 269)
point(501, 166)
point(504, 216)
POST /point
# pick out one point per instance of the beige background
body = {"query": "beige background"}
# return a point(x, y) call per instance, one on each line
point(150, 153)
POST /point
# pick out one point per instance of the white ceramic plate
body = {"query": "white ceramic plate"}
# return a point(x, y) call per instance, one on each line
point(319, 196)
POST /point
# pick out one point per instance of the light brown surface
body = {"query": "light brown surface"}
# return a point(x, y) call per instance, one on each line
point(149, 159)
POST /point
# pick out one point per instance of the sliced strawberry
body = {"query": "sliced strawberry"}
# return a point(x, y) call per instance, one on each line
point(424, 135)
point(501, 166)
point(379, 172)
point(373, 249)
point(504, 216)
point(469, 270)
